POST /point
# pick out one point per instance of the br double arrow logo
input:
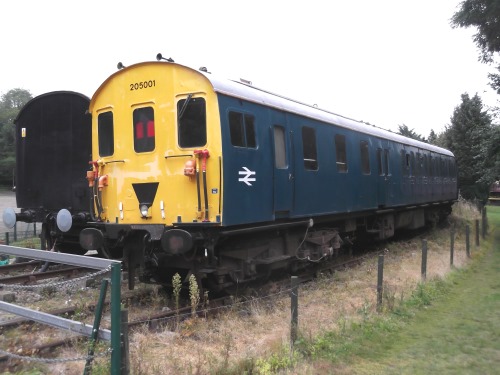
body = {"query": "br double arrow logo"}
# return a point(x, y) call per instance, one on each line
point(247, 173)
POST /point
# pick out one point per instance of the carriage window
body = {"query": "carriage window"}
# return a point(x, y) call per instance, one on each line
point(250, 132)
point(405, 161)
point(412, 163)
point(386, 162)
point(105, 134)
point(418, 165)
point(279, 148)
point(380, 162)
point(242, 130)
point(341, 154)
point(191, 122)
point(309, 148)
point(144, 129)
point(365, 157)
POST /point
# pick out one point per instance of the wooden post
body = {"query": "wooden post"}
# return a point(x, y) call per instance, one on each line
point(477, 232)
point(452, 244)
point(294, 308)
point(484, 223)
point(424, 260)
point(467, 240)
point(380, 281)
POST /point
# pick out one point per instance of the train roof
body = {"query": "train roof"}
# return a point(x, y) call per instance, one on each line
point(49, 94)
point(257, 95)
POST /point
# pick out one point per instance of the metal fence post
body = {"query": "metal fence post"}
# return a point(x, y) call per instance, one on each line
point(97, 323)
point(116, 354)
point(125, 370)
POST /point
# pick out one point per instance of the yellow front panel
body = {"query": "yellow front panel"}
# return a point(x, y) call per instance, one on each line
point(159, 86)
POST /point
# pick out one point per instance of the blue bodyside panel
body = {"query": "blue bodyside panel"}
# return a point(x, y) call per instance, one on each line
point(307, 183)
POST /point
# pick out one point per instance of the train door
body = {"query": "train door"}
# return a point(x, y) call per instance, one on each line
point(283, 183)
point(384, 176)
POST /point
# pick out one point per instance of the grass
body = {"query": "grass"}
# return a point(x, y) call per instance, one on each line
point(447, 326)
point(340, 328)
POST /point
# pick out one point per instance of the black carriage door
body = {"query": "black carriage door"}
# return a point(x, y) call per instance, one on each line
point(282, 164)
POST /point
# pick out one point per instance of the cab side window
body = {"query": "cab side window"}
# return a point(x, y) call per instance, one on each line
point(105, 134)
point(191, 122)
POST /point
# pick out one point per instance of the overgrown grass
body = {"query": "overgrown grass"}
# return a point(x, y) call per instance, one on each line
point(447, 325)
point(340, 330)
point(367, 337)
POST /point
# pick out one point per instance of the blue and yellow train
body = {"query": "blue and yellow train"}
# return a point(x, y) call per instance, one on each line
point(195, 174)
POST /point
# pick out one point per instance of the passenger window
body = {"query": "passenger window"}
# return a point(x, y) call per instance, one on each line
point(365, 158)
point(242, 130)
point(309, 148)
point(418, 165)
point(386, 162)
point(412, 164)
point(191, 122)
point(250, 132)
point(105, 134)
point(144, 129)
point(405, 161)
point(340, 152)
point(279, 148)
point(379, 162)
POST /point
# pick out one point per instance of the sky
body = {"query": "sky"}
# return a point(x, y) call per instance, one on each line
point(386, 62)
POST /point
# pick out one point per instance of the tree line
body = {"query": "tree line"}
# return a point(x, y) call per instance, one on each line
point(10, 105)
point(471, 135)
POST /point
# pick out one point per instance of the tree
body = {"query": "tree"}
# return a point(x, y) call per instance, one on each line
point(10, 105)
point(469, 137)
point(410, 133)
point(432, 139)
point(483, 15)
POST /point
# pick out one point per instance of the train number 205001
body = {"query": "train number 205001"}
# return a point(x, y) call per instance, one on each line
point(142, 85)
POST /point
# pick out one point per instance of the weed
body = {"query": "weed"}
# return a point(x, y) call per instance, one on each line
point(176, 283)
point(194, 294)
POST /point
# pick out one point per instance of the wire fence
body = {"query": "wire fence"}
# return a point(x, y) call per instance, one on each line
point(21, 231)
